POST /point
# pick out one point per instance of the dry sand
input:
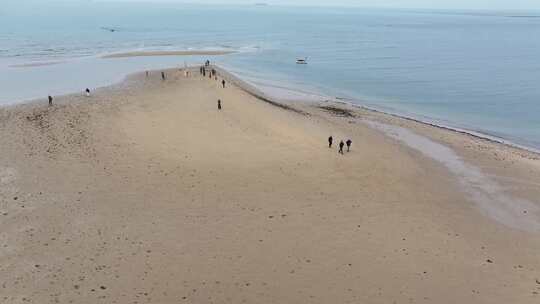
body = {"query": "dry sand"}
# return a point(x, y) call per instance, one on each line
point(167, 53)
point(146, 193)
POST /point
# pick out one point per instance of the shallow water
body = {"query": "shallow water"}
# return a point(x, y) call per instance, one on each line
point(487, 194)
point(472, 70)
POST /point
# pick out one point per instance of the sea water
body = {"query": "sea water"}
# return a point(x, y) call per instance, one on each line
point(474, 70)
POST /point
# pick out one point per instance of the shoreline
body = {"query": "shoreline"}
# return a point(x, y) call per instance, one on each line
point(166, 53)
point(336, 100)
point(257, 92)
point(475, 134)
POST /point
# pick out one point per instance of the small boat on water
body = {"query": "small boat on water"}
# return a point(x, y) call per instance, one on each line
point(301, 61)
point(110, 29)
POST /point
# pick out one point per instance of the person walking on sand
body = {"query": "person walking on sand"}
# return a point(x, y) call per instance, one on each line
point(219, 104)
point(87, 92)
point(50, 100)
point(146, 73)
point(223, 83)
point(341, 144)
point(330, 140)
point(162, 75)
point(348, 142)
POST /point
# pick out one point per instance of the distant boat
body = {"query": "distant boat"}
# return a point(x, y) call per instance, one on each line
point(301, 61)
point(110, 29)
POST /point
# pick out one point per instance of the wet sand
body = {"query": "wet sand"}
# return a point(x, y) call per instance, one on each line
point(146, 193)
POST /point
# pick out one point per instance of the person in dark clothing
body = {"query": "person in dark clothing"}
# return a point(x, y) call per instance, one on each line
point(330, 140)
point(223, 83)
point(348, 142)
point(210, 75)
point(341, 144)
point(146, 73)
point(204, 72)
point(162, 75)
point(87, 92)
point(219, 104)
point(50, 100)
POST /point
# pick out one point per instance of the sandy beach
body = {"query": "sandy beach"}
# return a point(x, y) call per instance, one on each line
point(146, 193)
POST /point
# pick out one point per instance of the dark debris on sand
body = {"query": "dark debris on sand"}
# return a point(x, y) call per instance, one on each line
point(338, 111)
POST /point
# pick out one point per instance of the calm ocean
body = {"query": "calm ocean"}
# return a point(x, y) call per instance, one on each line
point(478, 71)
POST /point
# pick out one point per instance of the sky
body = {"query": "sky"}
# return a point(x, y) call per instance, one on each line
point(428, 4)
point(434, 4)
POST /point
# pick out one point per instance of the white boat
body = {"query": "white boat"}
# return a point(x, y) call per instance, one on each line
point(301, 61)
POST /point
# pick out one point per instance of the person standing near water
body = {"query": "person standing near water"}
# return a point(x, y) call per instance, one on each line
point(219, 104)
point(348, 142)
point(330, 140)
point(87, 92)
point(223, 83)
point(341, 144)
point(162, 75)
point(50, 100)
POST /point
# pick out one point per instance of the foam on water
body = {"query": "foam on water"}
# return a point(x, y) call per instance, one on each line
point(486, 193)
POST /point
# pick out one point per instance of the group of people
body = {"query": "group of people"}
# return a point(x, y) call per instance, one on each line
point(211, 73)
point(341, 144)
point(203, 71)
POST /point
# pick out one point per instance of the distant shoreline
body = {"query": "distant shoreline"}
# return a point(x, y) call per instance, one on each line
point(34, 64)
point(166, 53)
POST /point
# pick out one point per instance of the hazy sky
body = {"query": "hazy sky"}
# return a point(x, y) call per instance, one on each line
point(466, 4)
point(431, 4)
